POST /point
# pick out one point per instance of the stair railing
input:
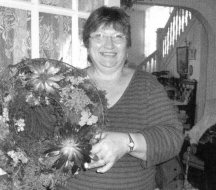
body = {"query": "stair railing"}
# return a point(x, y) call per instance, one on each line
point(176, 25)
point(149, 63)
point(167, 39)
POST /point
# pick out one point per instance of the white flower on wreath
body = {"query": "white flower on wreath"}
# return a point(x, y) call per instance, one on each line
point(76, 80)
point(47, 100)
point(23, 77)
point(87, 118)
point(32, 100)
point(5, 116)
point(20, 123)
point(18, 156)
point(7, 98)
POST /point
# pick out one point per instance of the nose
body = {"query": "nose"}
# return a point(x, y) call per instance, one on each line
point(108, 43)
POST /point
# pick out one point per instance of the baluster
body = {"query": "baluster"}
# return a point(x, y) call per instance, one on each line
point(168, 45)
point(190, 15)
point(163, 49)
point(186, 16)
point(174, 29)
point(147, 66)
point(167, 42)
point(177, 26)
point(151, 65)
point(165, 45)
point(182, 18)
point(155, 63)
point(171, 35)
point(179, 22)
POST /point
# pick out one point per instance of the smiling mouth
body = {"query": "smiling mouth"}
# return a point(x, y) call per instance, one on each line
point(109, 54)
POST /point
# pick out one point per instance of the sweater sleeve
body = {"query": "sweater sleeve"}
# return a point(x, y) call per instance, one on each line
point(164, 133)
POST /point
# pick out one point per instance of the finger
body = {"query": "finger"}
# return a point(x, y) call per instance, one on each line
point(98, 147)
point(95, 164)
point(97, 138)
point(100, 136)
point(105, 168)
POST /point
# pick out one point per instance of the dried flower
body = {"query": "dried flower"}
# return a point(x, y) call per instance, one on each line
point(18, 156)
point(20, 123)
point(44, 77)
point(87, 118)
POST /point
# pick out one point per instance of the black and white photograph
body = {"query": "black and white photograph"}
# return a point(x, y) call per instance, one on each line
point(107, 95)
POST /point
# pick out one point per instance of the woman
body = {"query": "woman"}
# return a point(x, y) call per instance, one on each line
point(142, 127)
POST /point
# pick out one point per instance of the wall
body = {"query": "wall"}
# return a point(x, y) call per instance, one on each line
point(112, 3)
point(136, 52)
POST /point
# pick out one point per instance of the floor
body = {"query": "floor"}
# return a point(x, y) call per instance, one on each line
point(196, 178)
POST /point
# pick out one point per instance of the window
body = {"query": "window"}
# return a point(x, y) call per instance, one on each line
point(44, 28)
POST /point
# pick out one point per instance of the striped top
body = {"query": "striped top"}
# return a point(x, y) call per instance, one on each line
point(145, 108)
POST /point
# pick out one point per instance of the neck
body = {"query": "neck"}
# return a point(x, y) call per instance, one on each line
point(113, 75)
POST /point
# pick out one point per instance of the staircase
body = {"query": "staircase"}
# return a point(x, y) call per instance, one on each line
point(168, 39)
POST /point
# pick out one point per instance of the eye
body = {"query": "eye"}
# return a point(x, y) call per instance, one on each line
point(119, 36)
point(97, 36)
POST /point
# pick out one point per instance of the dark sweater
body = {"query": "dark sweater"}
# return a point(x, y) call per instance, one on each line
point(145, 108)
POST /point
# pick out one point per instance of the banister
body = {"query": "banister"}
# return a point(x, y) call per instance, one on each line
point(149, 64)
point(167, 38)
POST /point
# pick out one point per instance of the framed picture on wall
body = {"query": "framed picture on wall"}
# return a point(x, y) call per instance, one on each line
point(182, 60)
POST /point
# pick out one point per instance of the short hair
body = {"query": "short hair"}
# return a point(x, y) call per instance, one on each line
point(107, 16)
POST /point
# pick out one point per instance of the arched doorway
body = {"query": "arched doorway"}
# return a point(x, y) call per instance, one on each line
point(207, 80)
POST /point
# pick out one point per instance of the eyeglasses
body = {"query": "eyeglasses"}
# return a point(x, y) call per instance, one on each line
point(116, 38)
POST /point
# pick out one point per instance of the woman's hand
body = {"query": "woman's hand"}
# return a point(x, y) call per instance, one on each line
point(111, 147)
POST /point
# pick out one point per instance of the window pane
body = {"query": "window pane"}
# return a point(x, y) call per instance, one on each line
point(89, 5)
point(58, 3)
point(15, 36)
point(82, 50)
point(81, 25)
point(55, 37)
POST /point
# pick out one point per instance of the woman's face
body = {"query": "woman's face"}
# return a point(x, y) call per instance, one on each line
point(107, 48)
